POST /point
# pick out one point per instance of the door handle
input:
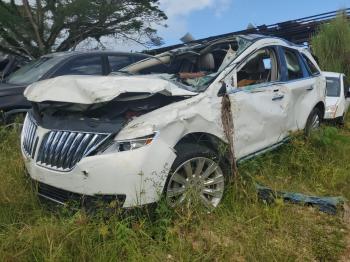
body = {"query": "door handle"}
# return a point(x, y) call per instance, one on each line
point(279, 97)
point(310, 88)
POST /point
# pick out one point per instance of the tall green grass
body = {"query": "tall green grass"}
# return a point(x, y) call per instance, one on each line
point(241, 229)
point(331, 45)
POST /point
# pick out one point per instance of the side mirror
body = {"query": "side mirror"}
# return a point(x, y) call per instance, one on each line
point(222, 90)
point(347, 95)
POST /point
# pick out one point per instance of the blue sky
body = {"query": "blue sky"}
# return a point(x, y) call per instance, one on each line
point(203, 18)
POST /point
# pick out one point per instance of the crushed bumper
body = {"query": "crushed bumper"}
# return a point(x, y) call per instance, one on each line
point(138, 176)
point(63, 197)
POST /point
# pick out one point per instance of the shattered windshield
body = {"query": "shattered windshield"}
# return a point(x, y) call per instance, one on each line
point(192, 67)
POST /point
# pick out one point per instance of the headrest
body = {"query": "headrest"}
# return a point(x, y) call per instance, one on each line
point(206, 62)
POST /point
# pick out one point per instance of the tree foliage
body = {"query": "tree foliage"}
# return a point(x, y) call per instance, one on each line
point(331, 45)
point(36, 27)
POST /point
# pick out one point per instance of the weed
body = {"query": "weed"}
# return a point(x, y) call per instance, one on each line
point(241, 228)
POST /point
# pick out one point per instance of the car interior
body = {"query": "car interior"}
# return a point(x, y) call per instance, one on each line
point(260, 68)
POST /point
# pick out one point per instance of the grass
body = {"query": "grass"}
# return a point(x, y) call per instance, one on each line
point(241, 229)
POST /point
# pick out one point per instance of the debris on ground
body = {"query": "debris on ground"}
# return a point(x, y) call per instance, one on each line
point(329, 205)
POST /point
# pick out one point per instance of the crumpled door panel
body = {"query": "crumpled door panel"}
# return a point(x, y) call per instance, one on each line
point(260, 117)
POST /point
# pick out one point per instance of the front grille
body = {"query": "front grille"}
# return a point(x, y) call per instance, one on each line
point(62, 150)
point(29, 138)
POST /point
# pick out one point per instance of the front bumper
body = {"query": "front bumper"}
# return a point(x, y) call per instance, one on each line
point(63, 197)
point(139, 175)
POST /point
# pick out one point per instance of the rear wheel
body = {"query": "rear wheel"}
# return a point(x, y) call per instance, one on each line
point(197, 177)
point(313, 121)
point(341, 121)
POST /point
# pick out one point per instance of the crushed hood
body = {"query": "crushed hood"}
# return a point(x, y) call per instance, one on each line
point(98, 89)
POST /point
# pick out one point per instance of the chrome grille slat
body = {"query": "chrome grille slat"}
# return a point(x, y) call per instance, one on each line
point(29, 136)
point(62, 150)
point(58, 151)
point(81, 147)
point(72, 149)
point(53, 147)
point(65, 149)
point(47, 147)
point(93, 141)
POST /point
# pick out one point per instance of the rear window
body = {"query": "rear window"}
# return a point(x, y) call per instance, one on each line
point(333, 86)
point(310, 66)
point(293, 66)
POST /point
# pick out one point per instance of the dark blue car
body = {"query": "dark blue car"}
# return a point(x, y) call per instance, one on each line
point(12, 101)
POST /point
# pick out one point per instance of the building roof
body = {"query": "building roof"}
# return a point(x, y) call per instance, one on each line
point(297, 31)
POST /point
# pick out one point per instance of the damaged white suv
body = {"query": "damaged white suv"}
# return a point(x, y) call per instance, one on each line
point(155, 128)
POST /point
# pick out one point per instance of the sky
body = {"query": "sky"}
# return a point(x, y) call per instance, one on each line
point(204, 18)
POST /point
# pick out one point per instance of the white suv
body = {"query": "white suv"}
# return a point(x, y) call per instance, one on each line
point(155, 128)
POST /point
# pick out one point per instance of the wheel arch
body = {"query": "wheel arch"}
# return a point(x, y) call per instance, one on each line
point(211, 141)
point(320, 105)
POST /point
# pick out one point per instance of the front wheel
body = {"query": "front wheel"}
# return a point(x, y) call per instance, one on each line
point(197, 177)
point(313, 121)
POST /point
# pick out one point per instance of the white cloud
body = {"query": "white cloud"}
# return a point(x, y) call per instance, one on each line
point(178, 12)
point(222, 7)
point(183, 7)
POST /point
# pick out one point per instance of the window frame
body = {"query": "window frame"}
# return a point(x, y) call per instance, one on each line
point(284, 69)
point(244, 61)
point(108, 64)
point(305, 60)
point(79, 57)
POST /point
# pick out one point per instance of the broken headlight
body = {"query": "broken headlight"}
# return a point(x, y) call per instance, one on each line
point(331, 111)
point(127, 145)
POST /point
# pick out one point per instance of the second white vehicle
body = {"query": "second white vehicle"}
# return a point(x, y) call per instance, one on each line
point(338, 97)
point(156, 129)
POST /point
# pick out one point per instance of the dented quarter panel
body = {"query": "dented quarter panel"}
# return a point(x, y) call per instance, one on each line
point(259, 122)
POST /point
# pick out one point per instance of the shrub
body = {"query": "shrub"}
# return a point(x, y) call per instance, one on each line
point(331, 45)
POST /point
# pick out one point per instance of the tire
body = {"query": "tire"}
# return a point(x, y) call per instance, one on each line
point(341, 121)
point(185, 183)
point(313, 121)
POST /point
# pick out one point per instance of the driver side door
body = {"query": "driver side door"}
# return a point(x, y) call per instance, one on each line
point(259, 103)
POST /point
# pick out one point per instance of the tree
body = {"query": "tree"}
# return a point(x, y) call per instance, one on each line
point(331, 45)
point(36, 27)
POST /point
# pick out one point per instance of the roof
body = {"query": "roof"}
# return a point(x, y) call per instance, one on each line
point(76, 53)
point(332, 74)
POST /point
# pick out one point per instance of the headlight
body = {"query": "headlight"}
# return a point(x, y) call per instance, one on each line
point(127, 145)
point(331, 110)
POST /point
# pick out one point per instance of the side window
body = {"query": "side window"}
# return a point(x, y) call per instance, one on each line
point(117, 62)
point(293, 65)
point(310, 66)
point(261, 67)
point(333, 86)
point(89, 65)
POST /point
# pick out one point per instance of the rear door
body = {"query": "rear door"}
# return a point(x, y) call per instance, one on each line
point(259, 103)
point(302, 86)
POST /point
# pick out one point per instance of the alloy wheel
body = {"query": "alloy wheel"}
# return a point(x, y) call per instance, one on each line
point(198, 179)
point(316, 122)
